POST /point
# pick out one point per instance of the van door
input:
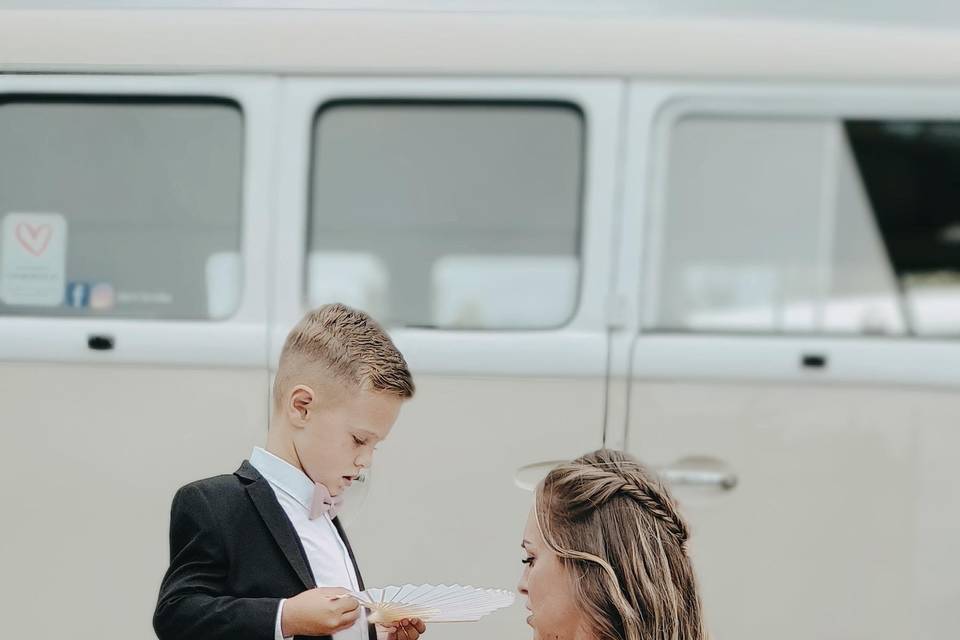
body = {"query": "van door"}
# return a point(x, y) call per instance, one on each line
point(793, 369)
point(474, 219)
point(132, 328)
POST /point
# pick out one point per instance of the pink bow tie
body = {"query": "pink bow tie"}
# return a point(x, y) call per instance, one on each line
point(323, 502)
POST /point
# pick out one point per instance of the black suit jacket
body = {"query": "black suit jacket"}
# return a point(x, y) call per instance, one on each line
point(233, 555)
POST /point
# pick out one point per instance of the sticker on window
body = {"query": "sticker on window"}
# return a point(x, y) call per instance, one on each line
point(33, 259)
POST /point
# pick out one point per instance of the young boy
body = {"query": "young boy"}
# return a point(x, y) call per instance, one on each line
point(260, 554)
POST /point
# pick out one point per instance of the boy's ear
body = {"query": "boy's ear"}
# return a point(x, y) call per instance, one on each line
point(301, 404)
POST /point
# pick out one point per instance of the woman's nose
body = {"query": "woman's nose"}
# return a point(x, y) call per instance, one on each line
point(522, 585)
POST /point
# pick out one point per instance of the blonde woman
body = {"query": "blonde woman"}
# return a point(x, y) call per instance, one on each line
point(605, 556)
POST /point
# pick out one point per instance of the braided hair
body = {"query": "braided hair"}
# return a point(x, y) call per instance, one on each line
point(618, 533)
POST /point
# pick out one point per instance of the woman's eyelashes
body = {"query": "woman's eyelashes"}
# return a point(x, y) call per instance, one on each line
point(527, 561)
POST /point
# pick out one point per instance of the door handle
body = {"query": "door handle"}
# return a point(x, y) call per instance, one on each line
point(700, 478)
point(698, 472)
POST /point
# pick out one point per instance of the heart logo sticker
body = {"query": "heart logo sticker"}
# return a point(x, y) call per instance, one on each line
point(35, 238)
point(33, 259)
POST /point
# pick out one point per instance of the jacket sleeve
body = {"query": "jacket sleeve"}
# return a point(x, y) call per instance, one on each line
point(194, 602)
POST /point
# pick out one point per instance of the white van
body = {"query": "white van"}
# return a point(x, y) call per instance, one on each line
point(732, 248)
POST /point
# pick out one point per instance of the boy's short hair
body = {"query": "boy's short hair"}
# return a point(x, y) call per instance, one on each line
point(343, 345)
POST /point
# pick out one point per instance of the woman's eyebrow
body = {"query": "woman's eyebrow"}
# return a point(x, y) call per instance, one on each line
point(523, 545)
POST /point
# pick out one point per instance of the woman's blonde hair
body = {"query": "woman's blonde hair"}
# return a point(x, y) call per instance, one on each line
point(618, 534)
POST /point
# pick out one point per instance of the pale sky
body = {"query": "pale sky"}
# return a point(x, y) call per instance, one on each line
point(932, 13)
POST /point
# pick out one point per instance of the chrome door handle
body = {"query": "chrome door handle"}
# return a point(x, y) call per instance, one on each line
point(700, 478)
point(700, 472)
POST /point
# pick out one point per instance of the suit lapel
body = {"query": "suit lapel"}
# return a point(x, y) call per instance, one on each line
point(346, 542)
point(371, 630)
point(277, 522)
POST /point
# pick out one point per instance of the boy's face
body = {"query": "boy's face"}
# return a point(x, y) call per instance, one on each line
point(337, 431)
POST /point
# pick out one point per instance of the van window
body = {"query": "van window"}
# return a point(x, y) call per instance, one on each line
point(809, 225)
point(120, 207)
point(448, 214)
point(911, 171)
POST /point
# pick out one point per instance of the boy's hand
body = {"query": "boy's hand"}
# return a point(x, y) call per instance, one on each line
point(406, 629)
point(319, 612)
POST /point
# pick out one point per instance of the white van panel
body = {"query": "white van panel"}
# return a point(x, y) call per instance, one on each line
point(816, 470)
point(93, 456)
point(451, 44)
point(843, 523)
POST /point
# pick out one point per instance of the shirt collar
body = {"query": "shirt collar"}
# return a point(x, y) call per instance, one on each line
point(283, 476)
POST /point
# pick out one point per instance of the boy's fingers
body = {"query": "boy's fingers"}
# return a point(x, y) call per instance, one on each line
point(419, 625)
point(346, 605)
point(348, 618)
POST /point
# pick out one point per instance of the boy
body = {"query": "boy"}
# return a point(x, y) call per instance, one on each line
point(253, 555)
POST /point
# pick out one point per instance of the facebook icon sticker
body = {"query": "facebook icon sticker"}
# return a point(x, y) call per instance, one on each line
point(78, 294)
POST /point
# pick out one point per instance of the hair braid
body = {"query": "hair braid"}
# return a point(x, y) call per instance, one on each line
point(589, 485)
point(659, 505)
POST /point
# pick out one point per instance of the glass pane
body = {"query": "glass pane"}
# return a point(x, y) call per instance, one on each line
point(767, 229)
point(448, 214)
point(120, 207)
point(912, 174)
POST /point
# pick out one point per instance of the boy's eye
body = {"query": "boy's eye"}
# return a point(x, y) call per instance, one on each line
point(358, 441)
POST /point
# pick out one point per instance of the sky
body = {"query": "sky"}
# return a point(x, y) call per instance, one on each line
point(924, 13)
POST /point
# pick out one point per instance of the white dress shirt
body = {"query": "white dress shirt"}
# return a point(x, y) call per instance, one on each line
point(327, 554)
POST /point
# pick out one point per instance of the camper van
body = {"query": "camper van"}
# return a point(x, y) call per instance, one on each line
point(730, 247)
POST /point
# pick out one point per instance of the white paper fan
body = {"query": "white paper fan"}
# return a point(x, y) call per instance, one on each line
point(432, 603)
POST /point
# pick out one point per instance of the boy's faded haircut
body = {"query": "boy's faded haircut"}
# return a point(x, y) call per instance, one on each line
point(345, 345)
